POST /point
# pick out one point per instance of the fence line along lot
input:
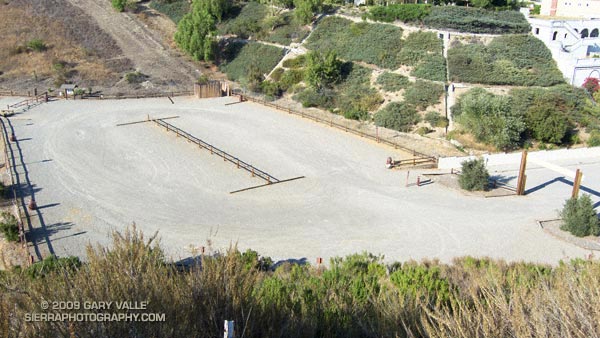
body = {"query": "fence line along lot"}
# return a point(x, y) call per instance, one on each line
point(95, 177)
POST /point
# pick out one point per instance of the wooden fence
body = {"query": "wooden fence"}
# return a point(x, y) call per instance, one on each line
point(29, 102)
point(10, 166)
point(211, 89)
point(214, 150)
point(120, 96)
point(419, 157)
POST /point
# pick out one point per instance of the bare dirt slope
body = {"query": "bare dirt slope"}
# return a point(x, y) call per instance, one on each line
point(165, 67)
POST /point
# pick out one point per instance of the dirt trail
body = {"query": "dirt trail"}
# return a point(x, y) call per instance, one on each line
point(165, 67)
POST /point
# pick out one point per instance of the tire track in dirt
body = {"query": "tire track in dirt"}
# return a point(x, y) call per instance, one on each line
point(142, 46)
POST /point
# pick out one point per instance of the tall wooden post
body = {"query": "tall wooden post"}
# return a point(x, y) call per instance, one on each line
point(576, 184)
point(522, 177)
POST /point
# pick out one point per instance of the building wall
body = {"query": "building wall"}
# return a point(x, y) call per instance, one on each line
point(575, 46)
point(571, 8)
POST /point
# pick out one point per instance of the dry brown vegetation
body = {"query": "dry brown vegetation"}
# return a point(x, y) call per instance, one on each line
point(356, 296)
point(87, 54)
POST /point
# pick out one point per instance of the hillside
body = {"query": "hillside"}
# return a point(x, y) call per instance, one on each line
point(88, 43)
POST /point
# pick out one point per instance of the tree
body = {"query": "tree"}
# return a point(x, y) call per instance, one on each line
point(398, 116)
point(474, 175)
point(579, 217)
point(306, 9)
point(322, 71)
point(216, 8)
point(195, 32)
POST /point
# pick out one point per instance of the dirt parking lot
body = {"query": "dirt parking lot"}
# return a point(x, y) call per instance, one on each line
point(90, 177)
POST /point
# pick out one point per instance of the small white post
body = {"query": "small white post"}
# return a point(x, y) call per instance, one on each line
point(228, 329)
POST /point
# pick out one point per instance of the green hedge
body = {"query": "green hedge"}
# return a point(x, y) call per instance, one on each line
point(240, 58)
point(402, 12)
point(392, 82)
point(519, 60)
point(377, 44)
point(423, 94)
point(476, 20)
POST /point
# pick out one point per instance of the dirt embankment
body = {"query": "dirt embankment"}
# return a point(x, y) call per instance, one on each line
point(88, 43)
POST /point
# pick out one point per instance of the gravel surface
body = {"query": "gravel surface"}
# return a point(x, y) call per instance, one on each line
point(92, 177)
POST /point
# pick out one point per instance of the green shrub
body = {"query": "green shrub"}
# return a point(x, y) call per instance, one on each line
point(290, 78)
point(277, 73)
point(392, 82)
point(37, 45)
point(297, 62)
point(270, 89)
point(418, 281)
point(398, 116)
point(311, 97)
point(476, 20)
point(402, 12)
point(594, 140)
point(175, 10)
point(435, 119)
point(418, 45)
point(372, 43)
point(52, 264)
point(120, 5)
point(520, 60)
point(135, 77)
point(355, 96)
point(547, 123)
point(286, 30)
point(474, 175)
point(423, 94)
point(490, 118)
point(240, 58)
point(433, 67)
point(579, 217)
point(322, 70)
point(9, 226)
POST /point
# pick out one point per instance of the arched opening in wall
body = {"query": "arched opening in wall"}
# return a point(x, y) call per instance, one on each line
point(595, 74)
point(594, 33)
point(584, 33)
point(554, 36)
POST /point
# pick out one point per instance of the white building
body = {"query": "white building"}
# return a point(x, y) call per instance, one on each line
point(586, 9)
point(575, 45)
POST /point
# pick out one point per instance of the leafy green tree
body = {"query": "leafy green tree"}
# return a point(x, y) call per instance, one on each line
point(490, 119)
point(195, 32)
point(322, 70)
point(398, 116)
point(579, 217)
point(474, 175)
point(306, 9)
point(546, 122)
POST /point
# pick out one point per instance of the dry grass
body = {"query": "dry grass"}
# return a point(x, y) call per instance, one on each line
point(356, 296)
point(84, 55)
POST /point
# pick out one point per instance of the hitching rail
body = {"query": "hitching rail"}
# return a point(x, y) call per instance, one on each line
point(214, 150)
point(417, 155)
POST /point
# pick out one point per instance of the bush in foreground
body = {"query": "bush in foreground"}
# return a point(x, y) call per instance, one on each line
point(474, 175)
point(579, 217)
